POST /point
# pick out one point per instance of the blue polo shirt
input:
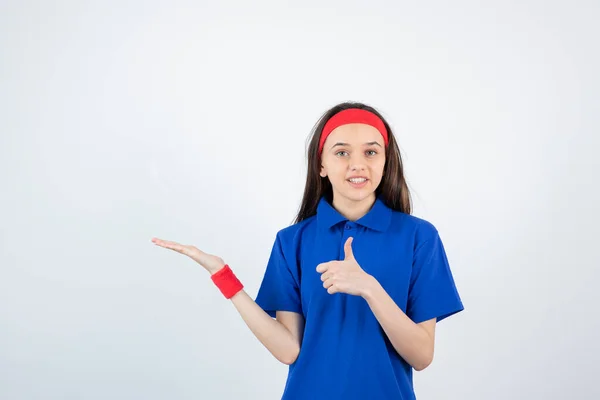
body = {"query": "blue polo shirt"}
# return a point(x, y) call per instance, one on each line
point(345, 354)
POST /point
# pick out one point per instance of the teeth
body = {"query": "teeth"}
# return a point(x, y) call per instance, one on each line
point(357, 180)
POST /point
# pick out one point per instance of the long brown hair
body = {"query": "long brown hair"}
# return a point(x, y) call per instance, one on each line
point(392, 188)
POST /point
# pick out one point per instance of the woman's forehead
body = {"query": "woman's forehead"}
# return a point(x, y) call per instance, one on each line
point(355, 134)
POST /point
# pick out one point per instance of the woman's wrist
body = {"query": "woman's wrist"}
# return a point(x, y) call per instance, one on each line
point(226, 281)
point(371, 285)
point(215, 270)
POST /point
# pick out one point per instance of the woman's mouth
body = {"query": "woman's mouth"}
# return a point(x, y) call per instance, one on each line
point(358, 182)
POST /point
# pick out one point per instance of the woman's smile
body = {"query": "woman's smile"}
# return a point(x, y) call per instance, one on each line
point(358, 182)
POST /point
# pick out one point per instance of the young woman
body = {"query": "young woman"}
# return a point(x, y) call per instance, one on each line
point(354, 288)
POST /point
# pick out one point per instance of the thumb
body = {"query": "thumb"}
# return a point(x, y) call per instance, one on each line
point(348, 249)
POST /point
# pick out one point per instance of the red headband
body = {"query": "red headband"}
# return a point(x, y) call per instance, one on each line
point(352, 116)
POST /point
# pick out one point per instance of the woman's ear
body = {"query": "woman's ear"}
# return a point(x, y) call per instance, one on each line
point(323, 173)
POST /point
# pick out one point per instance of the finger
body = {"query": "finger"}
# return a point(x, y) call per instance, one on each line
point(328, 283)
point(332, 289)
point(349, 255)
point(162, 241)
point(322, 267)
point(326, 276)
point(169, 245)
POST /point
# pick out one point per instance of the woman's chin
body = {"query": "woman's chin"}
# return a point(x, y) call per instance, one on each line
point(357, 194)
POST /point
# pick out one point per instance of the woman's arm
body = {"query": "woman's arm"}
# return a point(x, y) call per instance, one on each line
point(414, 342)
point(282, 337)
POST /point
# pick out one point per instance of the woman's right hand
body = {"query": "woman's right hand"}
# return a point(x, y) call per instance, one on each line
point(211, 263)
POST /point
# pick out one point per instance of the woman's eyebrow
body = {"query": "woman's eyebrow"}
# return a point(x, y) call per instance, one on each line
point(347, 144)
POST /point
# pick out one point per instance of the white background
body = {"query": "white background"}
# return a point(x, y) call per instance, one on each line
point(121, 121)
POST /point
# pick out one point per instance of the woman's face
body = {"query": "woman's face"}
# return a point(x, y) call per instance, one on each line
point(353, 150)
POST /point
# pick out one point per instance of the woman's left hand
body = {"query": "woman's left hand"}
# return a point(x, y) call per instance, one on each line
point(344, 276)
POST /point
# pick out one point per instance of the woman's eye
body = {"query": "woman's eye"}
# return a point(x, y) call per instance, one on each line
point(368, 151)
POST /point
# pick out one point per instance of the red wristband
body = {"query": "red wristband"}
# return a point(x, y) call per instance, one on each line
point(227, 282)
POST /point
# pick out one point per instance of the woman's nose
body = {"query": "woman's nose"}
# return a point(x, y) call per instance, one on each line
point(357, 166)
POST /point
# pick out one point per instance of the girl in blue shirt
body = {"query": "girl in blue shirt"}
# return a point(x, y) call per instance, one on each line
point(353, 289)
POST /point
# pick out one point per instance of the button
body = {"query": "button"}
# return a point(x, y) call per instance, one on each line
point(348, 227)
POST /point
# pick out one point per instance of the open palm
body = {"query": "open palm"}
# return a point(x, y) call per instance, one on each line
point(210, 262)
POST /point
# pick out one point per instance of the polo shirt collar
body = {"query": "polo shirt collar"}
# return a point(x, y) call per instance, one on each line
point(377, 218)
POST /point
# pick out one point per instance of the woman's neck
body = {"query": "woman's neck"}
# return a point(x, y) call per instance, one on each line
point(351, 209)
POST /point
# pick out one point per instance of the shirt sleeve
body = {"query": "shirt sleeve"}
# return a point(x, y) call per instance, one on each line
point(432, 291)
point(280, 288)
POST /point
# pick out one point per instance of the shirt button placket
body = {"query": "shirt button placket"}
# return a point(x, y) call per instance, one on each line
point(348, 231)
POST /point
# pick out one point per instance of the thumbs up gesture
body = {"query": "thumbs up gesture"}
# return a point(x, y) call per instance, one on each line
point(344, 276)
